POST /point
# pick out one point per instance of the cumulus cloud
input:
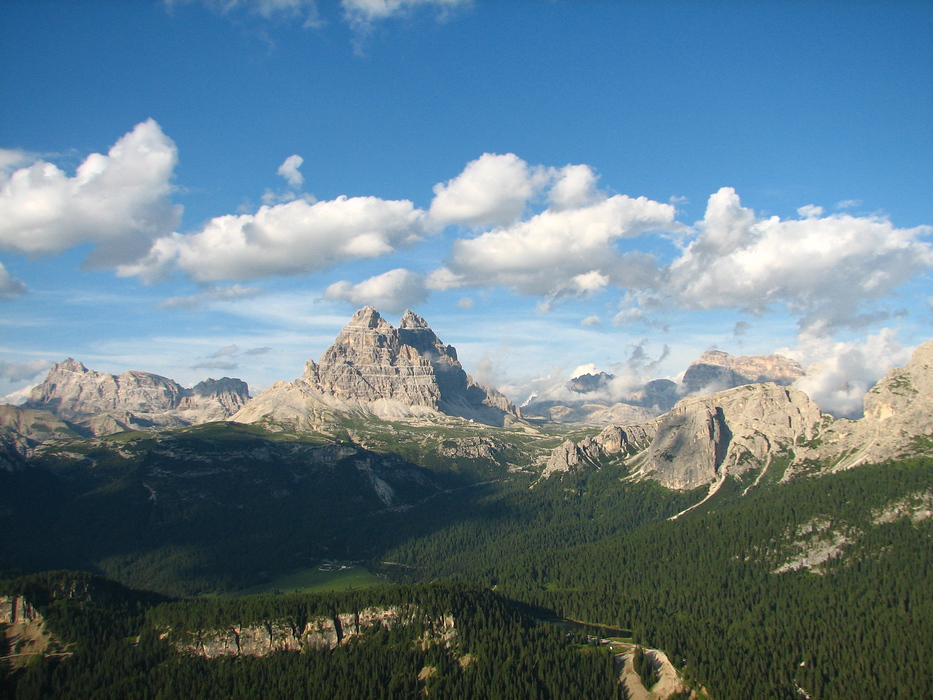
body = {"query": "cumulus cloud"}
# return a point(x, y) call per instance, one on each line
point(285, 239)
point(11, 159)
point(117, 201)
point(824, 269)
point(10, 287)
point(574, 186)
point(493, 189)
point(394, 291)
point(289, 170)
point(591, 321)
point(21, 371)
point(560, 252)
point(839, 374)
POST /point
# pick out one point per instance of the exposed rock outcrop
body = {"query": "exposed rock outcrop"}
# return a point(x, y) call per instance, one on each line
point(375, 369)
point(703, 439)
point(23, 633)
point(717, 371)
point(316, 633)
point(898, 418)
point(103, 403)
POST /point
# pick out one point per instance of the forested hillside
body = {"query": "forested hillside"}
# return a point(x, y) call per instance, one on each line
point(821, 584)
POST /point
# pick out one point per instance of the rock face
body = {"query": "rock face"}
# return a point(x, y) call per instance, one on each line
point(719, 370)
point(704, 439)
point(316, 633)
point(375, 369)
point(105, 403)
point(898, 418)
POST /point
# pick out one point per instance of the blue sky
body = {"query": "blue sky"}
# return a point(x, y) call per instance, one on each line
point(212, 187)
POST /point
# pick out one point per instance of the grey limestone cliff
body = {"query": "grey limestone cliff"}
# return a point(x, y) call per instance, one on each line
point(260, 639)
point(375, 369)
point(104, 403)
point(703, 439)
point(719, 370)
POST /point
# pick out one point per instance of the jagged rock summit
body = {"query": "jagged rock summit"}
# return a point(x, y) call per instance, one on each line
point(103, 403)
point(375, 369)
point(705, 439)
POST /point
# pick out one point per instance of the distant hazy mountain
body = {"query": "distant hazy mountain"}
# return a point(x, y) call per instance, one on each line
point(717, 371)
point(599, 398)
point(104, 403)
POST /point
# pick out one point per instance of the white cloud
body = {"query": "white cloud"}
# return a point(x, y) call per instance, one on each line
point(267, 9)
point(286, 239)
point(591, 321)
point(10, 287)
point(11, 159)
point(210, 294)
point(393, 291)
point(559, 252)
point(839, 374)
point(362, 13)
point(848, 203)
point(825, 270)
point(574, 186)
point(21, 371)
point(465, 303)
point(289, 170)
point(809, 211)
point(493, 189)
point(118, 201)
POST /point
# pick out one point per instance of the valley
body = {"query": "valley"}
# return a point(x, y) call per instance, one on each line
point(755, 543)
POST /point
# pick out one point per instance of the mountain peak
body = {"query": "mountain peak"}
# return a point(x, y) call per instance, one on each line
point(69, 365)
point(367, 317)
point(374, 368)
point(412, 321)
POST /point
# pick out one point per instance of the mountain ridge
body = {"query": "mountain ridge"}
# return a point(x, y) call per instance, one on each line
point(102, 403)
point(704, 439)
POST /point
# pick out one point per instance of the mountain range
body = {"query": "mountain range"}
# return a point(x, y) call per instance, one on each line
point(756, 543)
point(758, 423)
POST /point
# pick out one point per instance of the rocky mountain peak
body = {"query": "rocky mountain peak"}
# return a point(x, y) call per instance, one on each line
point(375, 368)
point(367, 317)
point(70, 365)
point(412, 321)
